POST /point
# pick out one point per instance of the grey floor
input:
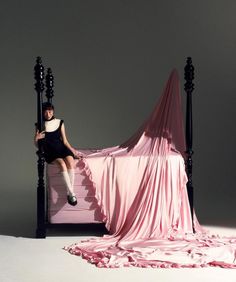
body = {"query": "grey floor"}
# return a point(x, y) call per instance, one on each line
point(25, 259)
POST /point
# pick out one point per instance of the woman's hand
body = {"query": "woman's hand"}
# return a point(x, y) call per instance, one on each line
point(39, 135)
point(77, 155)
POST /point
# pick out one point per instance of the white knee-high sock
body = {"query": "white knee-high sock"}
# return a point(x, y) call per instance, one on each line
point(67, 183)
point(71, 173)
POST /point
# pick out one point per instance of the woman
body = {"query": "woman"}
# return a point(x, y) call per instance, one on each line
point(57, 149)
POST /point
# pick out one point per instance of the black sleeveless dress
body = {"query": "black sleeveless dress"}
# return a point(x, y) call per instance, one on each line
point(54, 147)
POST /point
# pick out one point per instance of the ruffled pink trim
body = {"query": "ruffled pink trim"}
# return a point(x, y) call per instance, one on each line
point(111, 258)
point(99, 202)
point(201, 249)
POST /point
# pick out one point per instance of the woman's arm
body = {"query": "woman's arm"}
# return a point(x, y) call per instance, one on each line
point(66, 142)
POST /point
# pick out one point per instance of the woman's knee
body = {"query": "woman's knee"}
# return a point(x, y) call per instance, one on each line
point(61, 163)
point(69, 162)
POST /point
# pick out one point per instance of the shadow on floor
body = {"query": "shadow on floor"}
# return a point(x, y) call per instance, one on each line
point(21, 229)
point(57, 230)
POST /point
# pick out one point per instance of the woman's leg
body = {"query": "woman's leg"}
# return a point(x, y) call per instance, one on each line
point(61, 163)
point(69, 161)
point(70, 164)
point(66, 178)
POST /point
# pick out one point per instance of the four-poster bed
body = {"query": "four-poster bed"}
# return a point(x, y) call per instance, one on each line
point(142, 190)
point(52, 208)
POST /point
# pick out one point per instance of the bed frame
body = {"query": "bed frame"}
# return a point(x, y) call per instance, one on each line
point(42, 195)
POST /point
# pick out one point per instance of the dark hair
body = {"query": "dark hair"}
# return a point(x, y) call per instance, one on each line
point(47, 106)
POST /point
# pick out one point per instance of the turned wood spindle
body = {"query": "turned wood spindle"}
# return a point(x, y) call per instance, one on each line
point(49, 85)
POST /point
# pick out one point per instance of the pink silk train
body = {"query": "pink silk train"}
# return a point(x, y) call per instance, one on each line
point(140, 187)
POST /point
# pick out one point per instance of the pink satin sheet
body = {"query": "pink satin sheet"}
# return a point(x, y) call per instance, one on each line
point(140, 187)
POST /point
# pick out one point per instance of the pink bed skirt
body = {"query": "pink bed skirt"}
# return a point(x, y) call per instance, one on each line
point(59, 211)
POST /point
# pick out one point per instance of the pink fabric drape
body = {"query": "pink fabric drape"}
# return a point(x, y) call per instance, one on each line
point(141, 189)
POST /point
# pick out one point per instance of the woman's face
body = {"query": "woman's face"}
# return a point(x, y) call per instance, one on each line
point(48, 114)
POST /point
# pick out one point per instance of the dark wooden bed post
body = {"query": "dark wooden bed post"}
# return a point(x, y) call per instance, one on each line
point(39, 87)
point(189, 87)
point(49, 81)
point(49, 85)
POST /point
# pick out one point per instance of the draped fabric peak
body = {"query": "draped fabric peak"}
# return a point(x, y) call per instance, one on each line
point(140, 187)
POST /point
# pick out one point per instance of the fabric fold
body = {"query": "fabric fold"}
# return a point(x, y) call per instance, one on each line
point(140, 187)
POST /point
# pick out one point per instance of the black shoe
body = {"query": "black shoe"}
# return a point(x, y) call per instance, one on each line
point(72, 200)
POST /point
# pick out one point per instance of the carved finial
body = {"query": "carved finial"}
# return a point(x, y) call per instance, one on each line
point(39, 75)
point(49, 85)
point(189, 75)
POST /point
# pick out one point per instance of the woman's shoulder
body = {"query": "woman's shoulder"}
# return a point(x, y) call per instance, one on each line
point(60, 121)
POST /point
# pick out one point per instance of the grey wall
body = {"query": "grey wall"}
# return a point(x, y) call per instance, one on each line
point(111, 60)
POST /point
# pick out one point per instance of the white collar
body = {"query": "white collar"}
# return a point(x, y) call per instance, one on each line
point(52, 125)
